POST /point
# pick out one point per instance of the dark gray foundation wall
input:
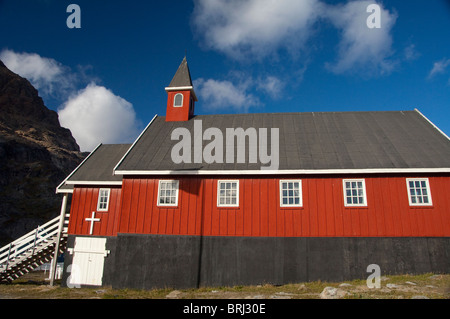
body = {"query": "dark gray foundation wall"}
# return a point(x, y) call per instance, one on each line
point(158, 261)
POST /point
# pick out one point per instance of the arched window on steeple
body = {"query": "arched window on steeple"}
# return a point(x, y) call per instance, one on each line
point(178, 100)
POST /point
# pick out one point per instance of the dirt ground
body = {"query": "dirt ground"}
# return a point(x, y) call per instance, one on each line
point(428, 286)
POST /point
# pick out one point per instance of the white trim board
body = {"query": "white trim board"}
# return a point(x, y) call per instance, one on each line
point(291, 172)
point(179, 88)
point(64, 191)
point(100, 183)
point(183, 88)
point(432, 124)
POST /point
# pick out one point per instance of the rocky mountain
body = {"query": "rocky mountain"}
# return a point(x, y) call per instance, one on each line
point(36, 154)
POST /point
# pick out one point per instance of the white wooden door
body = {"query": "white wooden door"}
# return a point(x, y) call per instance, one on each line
point(88, 261)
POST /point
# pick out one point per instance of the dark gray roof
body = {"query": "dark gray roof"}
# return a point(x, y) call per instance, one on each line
point(98, 167)
point(309, 141)
point(182, 77)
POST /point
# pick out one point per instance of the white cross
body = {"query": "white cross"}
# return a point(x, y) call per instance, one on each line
point(92, 220)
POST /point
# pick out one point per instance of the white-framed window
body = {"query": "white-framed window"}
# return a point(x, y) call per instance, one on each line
point(419, 193)
point(103, 199)
point(354, 192)
point(228, 193)
point(178, 100)
point(291, 193)
point(168, 193)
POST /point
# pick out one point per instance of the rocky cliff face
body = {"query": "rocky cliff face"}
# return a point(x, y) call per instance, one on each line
point(36, 154)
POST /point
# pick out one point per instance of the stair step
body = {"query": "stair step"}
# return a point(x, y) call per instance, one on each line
point(42, 252)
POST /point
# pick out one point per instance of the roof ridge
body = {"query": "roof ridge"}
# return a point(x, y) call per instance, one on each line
point(293, 113)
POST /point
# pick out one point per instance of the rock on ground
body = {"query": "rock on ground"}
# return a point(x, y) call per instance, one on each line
point(332, 293)
point(174, 294)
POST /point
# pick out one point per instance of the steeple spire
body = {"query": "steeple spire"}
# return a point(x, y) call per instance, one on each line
point(182, 77)
point(181, 95)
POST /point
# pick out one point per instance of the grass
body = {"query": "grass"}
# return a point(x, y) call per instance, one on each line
point(33, 286)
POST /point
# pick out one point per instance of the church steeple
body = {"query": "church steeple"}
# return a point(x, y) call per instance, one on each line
point(181, 96)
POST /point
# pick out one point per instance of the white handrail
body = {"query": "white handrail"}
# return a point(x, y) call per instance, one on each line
point(31, 233)
point(30, 241)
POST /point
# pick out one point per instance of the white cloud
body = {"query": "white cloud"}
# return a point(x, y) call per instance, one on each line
point(260, 28)
point(47, 75)
point(362, 48)
point(439, 67)
point(238, 92)
point(410, 53)
point(270, 85)
point(254, 28)
point(95, 115)
point(216, 95)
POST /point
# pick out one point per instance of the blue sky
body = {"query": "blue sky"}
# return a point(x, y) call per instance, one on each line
point(107, 78)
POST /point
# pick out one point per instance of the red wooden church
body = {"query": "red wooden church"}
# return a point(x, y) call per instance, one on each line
point(220, 200)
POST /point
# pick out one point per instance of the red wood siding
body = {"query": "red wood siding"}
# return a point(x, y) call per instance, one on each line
point(84, 202)
point(259, 213)
point(178, 113)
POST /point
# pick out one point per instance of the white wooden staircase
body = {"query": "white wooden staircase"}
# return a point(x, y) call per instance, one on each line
point(33, 249)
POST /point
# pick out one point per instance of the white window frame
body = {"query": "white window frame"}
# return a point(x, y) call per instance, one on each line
point(300, 204)
point(237, 193)
point(427, 186)
point(176, 193)
point(364, 195)
point(175, 98)
point(99, 202)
